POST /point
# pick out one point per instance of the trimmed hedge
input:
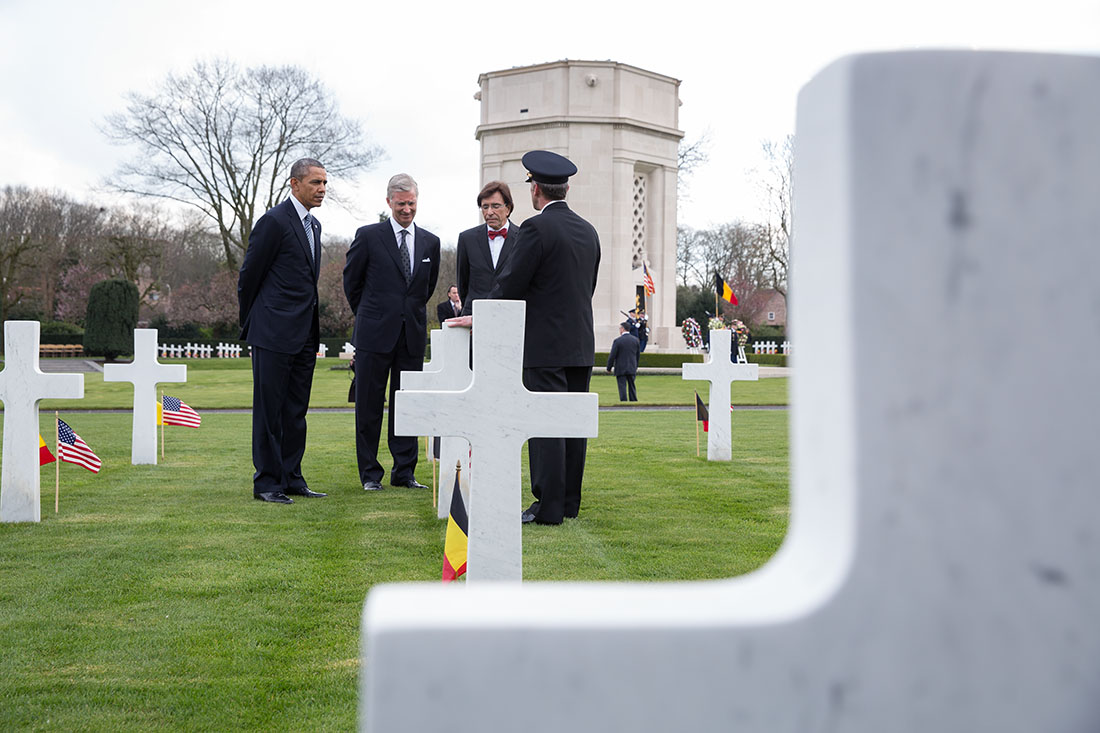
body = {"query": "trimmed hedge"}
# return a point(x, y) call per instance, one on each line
point(112, 317)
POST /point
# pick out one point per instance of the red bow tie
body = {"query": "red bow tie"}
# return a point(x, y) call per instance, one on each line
point(498, 233)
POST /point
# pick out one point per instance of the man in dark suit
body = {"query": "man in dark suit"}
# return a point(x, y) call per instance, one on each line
point(553, 266)
point(277, 294)
point(483, 250)
point(390, 273)
point(624, 360)
point(451, 307)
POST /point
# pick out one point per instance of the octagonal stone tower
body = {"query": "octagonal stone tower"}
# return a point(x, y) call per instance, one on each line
point(618, 123)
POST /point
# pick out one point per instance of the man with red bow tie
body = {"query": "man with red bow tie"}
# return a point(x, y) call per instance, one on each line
point(483, 250)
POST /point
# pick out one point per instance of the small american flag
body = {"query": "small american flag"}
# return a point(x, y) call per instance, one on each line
point(650, 289)
point(177, 412)
point(72, 448)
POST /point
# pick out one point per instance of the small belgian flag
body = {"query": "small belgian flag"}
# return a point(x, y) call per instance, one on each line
point(723, 289)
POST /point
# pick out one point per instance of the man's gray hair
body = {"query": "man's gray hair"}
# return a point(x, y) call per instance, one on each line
point(554, 191)
point(301, 167)
point(400, 183)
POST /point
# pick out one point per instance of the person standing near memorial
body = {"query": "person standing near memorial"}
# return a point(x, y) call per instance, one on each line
point(553, 266)
point(483, 250)
point(277, 295)
point(451, 307)
point(390, 272)
point(624, 360)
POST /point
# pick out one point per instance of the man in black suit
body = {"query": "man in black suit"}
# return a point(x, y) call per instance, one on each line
point(277, 294)
point(553, 266)
point(451, 307)
point(390, 273)
point(483, 250)
point(624, 360)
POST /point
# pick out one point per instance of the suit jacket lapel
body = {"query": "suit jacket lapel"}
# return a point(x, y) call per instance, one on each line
point(300, 230)
point(483, 246)
point(505, 248)
point(389, 242)
point(315, 259)
point(418, 253)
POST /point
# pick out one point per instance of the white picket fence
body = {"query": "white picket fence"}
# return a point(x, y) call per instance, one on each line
point(201, 351)
point(221, 351)
point(770, 347)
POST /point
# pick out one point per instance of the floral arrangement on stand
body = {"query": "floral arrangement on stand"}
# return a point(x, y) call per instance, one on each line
point(716, 324)
point(693, 337)
point(741, 331)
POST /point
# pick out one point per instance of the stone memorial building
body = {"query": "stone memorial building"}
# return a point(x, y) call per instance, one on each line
point(618, 123)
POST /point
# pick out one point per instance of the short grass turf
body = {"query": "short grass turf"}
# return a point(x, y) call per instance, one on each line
point(165, 598)
point(227, 383)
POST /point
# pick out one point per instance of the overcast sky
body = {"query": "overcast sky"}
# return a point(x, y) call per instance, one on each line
point(409, 72)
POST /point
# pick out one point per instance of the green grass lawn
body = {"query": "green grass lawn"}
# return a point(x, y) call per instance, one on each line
point(227, 383)
point(165, 598)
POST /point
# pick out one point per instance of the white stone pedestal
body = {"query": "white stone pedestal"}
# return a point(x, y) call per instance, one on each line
point(942, 566)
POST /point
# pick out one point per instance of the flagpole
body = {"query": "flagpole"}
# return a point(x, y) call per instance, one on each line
point(458, 481)
point(160, 408)
point(431, 459)
point(57, 466)
point(696, 406)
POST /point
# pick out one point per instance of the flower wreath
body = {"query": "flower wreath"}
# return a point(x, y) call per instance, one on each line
point(693, 337)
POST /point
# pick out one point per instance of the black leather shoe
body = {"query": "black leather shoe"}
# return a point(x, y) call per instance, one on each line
point(527, 517)
point(304, 491)
point(410, 484)
point(275, 497)
point(372, 486)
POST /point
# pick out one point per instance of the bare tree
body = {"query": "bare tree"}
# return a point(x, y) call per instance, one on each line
point(222, 139)
point(30, 222)
point(132, 245)
point(734, 250)
point(212, 303)
point(335, 316)
point(778, 187)
point(76, 284)
point(689, 156)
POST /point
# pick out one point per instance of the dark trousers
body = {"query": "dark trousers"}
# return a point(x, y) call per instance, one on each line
point(557, 464)
point(280, 397)
point(372, 371)
point(626, 386)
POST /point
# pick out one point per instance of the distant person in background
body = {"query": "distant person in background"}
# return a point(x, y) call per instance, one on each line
point(624, 360)
point(483, 250)
point(451, 307)
point(643, 330)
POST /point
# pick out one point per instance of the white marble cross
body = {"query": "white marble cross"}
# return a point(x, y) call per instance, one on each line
point(720, 371)
point(434, 363)
point(22, 386)
point(450, 372)
point(941, 570)
point(145, 372)
point(496, 414)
